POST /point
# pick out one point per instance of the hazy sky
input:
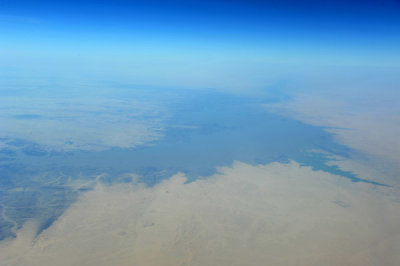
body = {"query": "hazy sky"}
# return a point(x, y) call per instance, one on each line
point(199, 43)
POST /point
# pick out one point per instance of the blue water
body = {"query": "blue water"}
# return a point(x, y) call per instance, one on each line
point(209, 129)
point(206, 129)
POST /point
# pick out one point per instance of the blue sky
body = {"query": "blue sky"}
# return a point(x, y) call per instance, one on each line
point(164, 40)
